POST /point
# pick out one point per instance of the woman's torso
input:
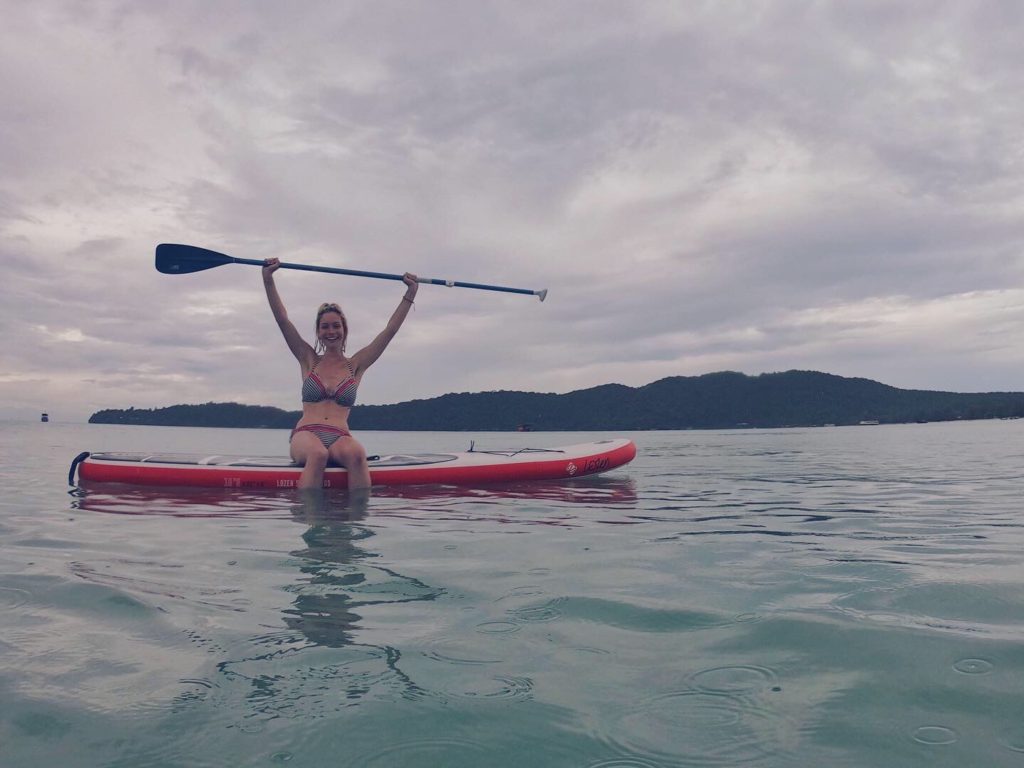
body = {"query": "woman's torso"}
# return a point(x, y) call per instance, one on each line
point(329, 391)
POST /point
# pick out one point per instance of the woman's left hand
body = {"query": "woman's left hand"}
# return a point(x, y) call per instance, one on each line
point(411, 285)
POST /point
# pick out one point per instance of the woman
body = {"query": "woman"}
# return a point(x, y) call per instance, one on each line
point(329, 383)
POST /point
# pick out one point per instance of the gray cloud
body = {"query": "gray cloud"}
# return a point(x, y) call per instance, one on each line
point(754, 186)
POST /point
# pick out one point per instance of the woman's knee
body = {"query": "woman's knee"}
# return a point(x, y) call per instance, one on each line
point(311, 454)
point(350, 455)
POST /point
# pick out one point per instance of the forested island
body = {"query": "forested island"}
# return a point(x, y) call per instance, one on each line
point(712, 401)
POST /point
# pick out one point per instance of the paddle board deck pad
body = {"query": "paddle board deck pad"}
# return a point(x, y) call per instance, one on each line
point(472, 467)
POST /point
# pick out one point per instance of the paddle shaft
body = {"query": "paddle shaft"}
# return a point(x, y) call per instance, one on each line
point(387, 276)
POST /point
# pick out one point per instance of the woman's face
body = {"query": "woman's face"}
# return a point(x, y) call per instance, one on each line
point(331, 330)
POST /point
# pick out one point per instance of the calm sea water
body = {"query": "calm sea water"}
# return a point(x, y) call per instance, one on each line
point(842, 597)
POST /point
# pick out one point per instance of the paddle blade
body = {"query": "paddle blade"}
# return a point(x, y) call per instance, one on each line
point(176, 259)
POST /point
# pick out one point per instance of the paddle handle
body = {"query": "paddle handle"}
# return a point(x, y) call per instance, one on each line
point(387, 276)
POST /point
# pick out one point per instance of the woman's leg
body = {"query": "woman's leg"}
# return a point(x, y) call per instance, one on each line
point(307, 450)
point(349, 453)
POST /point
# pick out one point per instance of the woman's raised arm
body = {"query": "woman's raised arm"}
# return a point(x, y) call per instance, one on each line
point(368, 355)
point(299, 347)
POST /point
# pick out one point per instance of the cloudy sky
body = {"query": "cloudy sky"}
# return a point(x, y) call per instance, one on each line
point(702, 186)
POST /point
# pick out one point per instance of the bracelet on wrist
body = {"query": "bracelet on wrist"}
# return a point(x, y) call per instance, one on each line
point(406, 298)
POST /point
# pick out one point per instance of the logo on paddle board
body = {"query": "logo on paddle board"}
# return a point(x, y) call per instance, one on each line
point(571, 469)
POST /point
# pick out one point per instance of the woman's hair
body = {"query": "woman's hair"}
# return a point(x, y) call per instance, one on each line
point(323, 310)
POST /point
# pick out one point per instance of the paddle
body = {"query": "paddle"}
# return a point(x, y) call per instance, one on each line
point(176, 259)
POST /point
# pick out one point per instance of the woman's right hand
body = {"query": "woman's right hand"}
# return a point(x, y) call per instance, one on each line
point(270, 266)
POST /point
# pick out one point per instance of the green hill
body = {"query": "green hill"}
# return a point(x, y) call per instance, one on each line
point(712, 401)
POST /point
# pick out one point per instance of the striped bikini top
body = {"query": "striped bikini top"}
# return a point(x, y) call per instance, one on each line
point(314, 391)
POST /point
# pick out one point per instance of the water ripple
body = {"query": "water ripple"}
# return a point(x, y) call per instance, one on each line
point(740, 678)
point(973, 666)
point(124, 586)
point(623, 762)
point(942, 606)
point(935, 734)
point(11, 598)
point(458, 660)
point(498, 687)
point(447, 752)
point(637, 618)
point(497, 627)
point(1013, 741)
point(702, 728)
point(311, 682)
point(548, 611)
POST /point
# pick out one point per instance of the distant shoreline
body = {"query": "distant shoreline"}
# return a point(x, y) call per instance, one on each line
point(725, 400)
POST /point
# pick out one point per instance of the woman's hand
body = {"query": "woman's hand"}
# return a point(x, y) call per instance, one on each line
point(270, 266)
point(411, 286)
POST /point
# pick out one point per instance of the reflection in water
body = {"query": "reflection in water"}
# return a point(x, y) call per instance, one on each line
point(324, 655)
point(594, 490)
point(332, 669)
point(316, 662)
point(322, 609)
point(112, 498)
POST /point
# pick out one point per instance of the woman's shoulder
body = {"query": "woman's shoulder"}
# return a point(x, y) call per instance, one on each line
point(308, 360)
point(357, 362)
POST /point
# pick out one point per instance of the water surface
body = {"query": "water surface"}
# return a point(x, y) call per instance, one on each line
point(843, 596)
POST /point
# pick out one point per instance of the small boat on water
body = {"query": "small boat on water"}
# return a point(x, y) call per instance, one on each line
point(464, 468)
point(45, 417)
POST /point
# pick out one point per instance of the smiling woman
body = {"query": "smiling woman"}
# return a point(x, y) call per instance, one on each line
point(329, 383)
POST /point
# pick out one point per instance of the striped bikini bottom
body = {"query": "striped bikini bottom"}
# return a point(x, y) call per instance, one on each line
point(328, 435)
